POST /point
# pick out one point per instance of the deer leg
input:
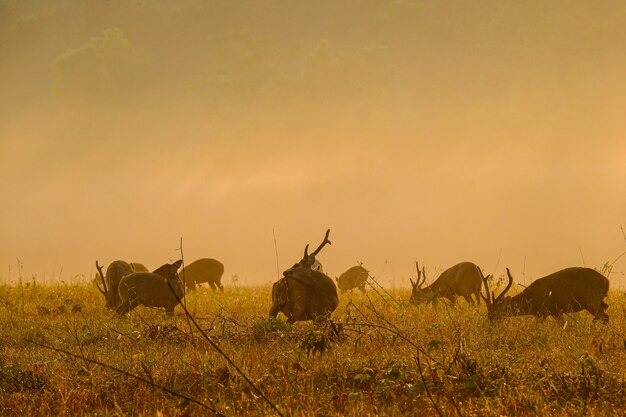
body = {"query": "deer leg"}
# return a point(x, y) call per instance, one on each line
point(220, 286)
point(212, 285)
point(469, 299)
point(124, 308)
point(116, 300)
point(274, 310)
point(362, 288)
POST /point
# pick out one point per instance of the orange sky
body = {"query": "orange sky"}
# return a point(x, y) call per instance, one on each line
point(491, 132)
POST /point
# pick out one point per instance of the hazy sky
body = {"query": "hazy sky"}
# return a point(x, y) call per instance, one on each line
point(488, 131)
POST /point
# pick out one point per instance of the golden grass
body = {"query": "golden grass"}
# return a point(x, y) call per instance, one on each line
point(366, 363)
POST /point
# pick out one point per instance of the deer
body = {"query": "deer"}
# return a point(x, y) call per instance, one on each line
point(569, 290)
point(115, 272)
point(354, 277)
point(462, 279)
point(138, 267)
point(203, 270)
point(161, 288)
point(302, 293)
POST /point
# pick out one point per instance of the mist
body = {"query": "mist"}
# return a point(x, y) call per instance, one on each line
point(488, 131)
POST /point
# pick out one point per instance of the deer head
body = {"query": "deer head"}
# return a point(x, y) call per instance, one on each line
point(496, 305)
point(169, 271)
point(308, 260)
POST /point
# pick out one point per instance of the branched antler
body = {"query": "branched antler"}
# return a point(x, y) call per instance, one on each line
point(508, 286)
point(307, 257)
point(324, 242)
point(491, 299)
point(105, 291)
point(421, 276)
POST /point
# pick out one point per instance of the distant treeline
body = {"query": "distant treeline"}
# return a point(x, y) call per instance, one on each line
point(222, 53)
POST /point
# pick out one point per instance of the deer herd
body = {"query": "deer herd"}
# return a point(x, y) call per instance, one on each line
point(305, 292)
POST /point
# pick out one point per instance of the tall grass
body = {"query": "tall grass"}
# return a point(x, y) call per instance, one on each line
point(376, 357)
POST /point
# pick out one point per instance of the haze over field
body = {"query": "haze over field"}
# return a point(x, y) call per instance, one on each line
point(490, 131)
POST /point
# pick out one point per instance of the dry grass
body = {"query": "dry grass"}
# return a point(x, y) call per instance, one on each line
point(377, 357)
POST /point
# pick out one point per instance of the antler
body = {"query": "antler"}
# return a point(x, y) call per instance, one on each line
point(491, 299)
point(508, 286)
point(310, 259)
point(319, 248)
point(420, 275)
point(105, 291)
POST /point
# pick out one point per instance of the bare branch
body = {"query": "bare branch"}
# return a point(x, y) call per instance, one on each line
point(221, 352)
point(121, 371)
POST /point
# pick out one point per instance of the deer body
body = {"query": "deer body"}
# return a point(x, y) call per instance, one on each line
point(303, 293)
point(203, 270)
point(569, 290)
point(354, 277)
point(114, 274)
point(161, 288)
point(111, 280)
point(462, 279)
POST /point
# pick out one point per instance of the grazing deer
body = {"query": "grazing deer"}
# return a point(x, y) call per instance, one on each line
point(114, 274)
point(462, 279)
point(303, 293)
point(566, 291)
point(355, 277)
point(138, 267)
point(161, 288)
point(203, 270)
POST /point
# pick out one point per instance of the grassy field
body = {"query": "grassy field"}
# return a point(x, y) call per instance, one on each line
point(63, 353)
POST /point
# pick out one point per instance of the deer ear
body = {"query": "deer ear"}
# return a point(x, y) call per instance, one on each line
point(177, 264)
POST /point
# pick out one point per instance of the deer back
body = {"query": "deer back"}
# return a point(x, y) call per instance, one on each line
point(161, 288)
point(304, 295)
point(461, 279)
point(203, 270)
point(352, 278)
point(568, 290)
point(114, 274)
